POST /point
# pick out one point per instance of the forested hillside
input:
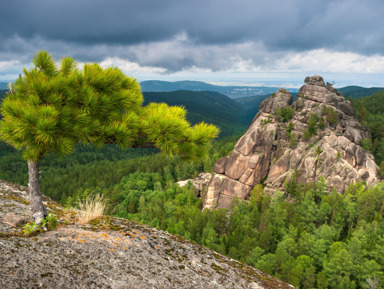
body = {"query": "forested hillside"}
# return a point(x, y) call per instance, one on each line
point(251, 105)
point(370, 111)
point(89, 170)
point(358, 91)
point(317, 240)
point(211, 107)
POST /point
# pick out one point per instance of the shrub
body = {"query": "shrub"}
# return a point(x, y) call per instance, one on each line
point(257, 192)
point(287, 113)
point(290, 128)
point(279, 115)
point(322, 123)
point(381, 169)
point(306, 134)
point(324, 110)
point(318, 150)
point(312, 123)
point(366, 144)
point(332, 116)
point(284, 115)
point(290, 185)
point(265, 121)
point(293, 140)
point(49, 223)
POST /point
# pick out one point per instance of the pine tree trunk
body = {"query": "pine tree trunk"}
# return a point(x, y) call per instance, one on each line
point(35, 197)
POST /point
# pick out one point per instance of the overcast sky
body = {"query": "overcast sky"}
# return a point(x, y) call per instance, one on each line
point(248, 41)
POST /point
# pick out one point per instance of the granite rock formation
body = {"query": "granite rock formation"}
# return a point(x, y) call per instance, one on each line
point(323, 140)
point(108, 253)
point(200, 183)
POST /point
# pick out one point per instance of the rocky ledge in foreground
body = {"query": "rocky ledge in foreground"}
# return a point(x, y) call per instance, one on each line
point(109, 253)
point(316, 136)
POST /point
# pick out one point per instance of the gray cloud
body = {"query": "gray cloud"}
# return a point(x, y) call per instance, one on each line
point(177, 34)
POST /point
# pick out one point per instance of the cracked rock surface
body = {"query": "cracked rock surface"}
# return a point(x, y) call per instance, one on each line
point(109, 253)
point(269, 152)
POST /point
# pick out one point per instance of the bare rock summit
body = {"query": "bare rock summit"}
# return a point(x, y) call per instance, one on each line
point(316, 136)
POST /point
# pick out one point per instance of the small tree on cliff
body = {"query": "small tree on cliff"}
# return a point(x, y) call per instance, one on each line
point(52, 107)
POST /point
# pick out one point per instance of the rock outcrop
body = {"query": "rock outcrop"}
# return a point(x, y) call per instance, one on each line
point(200, 183)
point(109, 253)
point(323, 140)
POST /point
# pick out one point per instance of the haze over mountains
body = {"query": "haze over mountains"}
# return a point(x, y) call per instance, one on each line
point(234, 92)
point(232, 108)
point(230, 91)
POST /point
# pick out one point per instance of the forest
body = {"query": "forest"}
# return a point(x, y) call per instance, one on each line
point(319, 239)
point(369, 111)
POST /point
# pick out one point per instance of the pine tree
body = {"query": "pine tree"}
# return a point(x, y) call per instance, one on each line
point(52, 107)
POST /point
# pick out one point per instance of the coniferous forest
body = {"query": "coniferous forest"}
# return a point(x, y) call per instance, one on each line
point(317, 239)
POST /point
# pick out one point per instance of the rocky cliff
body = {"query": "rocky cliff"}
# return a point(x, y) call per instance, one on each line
point(316, 136)
point(108, 253)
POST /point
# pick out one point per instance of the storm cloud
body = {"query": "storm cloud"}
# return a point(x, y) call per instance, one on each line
point(176, 35)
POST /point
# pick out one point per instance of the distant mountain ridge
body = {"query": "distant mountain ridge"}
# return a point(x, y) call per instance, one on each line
point(230, 91)
point(355, 91)
point(234, 92)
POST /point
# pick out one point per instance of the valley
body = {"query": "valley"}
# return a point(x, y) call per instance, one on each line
point(303, 236)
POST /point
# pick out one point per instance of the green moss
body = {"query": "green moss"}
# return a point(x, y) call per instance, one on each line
point(104, 223)
point(18, 199)
point(11, 234)
point(218, 269)
point(179, 239)
point(54, 207)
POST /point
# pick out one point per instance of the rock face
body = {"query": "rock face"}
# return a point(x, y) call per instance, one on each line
point(109, 253)
point(271, 151)
point(200, 183)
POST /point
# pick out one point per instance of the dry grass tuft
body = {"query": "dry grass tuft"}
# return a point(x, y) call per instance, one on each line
point(90, 208)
